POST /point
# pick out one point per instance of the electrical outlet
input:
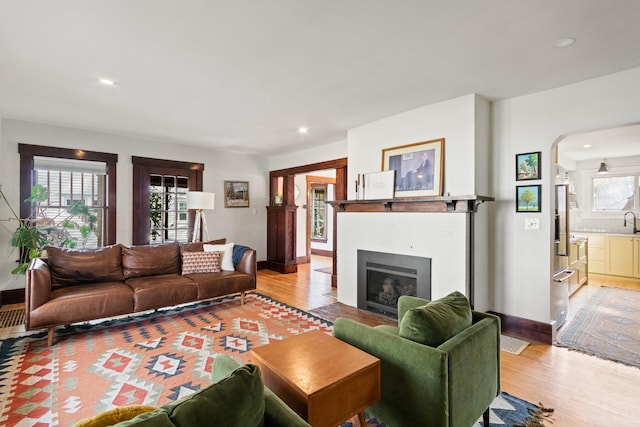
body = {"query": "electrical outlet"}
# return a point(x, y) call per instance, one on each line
point(532, 223)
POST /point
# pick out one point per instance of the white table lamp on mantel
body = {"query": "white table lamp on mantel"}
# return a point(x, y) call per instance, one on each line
point(200, 201)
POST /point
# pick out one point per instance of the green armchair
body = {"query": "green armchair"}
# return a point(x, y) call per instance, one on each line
point(451, 384)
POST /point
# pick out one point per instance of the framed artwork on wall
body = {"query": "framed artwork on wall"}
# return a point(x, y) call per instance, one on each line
point(418, 168)
point(528, 166)
point(528, 198)
point(236, 194)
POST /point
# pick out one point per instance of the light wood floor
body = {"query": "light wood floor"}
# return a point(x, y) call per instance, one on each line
point(583, 390)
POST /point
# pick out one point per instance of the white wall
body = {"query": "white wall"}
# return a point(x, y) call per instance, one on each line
point(522, 265)
point(331, 151)
point(245, 226)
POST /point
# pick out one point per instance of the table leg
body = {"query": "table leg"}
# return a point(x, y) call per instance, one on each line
point(363, 422)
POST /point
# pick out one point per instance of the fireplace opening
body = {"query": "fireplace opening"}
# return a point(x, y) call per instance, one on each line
point(385, 277)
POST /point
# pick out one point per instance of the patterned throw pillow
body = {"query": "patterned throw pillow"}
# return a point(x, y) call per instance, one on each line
point(200, 262)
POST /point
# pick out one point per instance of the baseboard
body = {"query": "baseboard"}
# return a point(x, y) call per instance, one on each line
point(303, 260)
point(262, 265)
point(525, 328)
point(282, 268)
point(11, 296)
point(321, 252)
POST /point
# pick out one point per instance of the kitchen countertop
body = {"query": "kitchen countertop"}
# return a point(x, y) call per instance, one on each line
point(577, 236)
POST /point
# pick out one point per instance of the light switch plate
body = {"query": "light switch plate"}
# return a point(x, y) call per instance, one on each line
point(532, 223)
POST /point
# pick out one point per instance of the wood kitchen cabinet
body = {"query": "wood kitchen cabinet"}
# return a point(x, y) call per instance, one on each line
point(596, 253)
point(619, 256)
point(636, 257)
point(578, 262)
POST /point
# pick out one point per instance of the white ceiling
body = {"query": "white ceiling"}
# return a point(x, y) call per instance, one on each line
point(621, 141)
point(242, 75)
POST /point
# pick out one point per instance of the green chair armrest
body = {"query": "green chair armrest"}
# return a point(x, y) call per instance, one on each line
point(278, 414)
point(223, 367)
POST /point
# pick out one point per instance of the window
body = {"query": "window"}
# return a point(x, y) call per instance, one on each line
point(318, 212)
point(168, 208)
point(614, 193)
point(72, 176)
point(160, 189)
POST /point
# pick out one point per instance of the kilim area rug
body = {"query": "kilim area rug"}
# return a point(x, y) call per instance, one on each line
point(151, 359)
point(607, 326)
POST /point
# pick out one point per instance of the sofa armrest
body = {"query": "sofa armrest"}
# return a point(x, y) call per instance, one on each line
point(38, 286)
point(415, 371)
point(248, 263)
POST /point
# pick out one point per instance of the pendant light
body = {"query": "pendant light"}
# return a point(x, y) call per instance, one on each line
point(603, 167)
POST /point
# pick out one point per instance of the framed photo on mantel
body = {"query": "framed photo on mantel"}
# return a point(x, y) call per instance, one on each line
point(418, 168)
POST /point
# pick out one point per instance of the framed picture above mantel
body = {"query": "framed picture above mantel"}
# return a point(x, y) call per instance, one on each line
point(419, 168)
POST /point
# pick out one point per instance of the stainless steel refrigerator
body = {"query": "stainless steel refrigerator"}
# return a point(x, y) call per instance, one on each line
point(561, 272)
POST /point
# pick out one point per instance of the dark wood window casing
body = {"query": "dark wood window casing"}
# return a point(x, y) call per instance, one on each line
point(143, 169)
point(28, 152)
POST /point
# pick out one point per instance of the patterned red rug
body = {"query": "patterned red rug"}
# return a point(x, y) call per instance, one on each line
point(148, 359)
point(154, 359)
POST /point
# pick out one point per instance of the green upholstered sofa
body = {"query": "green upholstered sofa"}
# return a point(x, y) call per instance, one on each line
point(236, 398)
point(449, 384)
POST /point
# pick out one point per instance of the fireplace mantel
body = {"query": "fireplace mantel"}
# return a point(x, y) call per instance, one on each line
point(449, 204)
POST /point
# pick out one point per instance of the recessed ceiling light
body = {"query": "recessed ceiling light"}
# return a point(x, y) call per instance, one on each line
point(107, 82)
point(586, 146)
point(303, 130)
point(566, 42)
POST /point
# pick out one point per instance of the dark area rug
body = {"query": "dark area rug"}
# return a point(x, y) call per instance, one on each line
point(607, 327)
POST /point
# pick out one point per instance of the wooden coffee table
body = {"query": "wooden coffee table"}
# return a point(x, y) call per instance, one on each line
point(325, 380)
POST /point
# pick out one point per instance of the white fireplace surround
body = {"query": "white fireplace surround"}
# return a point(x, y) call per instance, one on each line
point(443, 237)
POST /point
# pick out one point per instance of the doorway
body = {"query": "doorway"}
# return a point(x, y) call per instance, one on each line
point(282, 242)
point(586, 162)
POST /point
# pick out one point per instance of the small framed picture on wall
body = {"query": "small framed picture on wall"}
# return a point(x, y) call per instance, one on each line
point(528, 166)
point(528, 198)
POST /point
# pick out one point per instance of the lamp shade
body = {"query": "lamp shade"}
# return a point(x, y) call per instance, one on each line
point(200, 200)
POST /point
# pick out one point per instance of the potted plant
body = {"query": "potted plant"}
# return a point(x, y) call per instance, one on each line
point(38, 231)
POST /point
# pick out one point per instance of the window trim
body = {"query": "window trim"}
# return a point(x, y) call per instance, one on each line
point(27, 153)
point(611, 214)
point(143, 168)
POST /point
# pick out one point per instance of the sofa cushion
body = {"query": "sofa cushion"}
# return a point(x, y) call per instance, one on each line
point(79, 266)
point(164, 290)
point(227, 257)
point(237, 400)
point(150, 260)
point(200, 262)
point(437, 321)
point(198, 246)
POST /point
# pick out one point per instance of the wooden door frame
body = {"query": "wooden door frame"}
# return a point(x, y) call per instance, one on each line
point(314, 179)
point(340, 193)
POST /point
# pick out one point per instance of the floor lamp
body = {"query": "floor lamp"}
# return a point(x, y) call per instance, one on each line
point(200, 201)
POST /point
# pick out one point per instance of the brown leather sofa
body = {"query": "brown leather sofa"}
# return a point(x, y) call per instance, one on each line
point(72, 286)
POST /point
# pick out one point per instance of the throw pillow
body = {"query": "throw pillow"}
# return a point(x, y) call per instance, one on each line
point(115, 415)
point(77, 266)
point(200, 262)
point(227, 259)
point(437, 321)
point(237, 400)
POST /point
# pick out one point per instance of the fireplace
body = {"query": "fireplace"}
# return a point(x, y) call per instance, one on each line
point(385, 277)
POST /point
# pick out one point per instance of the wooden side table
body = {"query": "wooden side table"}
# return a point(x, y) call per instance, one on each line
point(325, 380)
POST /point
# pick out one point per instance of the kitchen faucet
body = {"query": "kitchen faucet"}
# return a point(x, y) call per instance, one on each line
point(635, 226)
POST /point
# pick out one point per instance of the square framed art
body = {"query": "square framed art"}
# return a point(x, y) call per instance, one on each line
point(528, 166)
point(528, 198)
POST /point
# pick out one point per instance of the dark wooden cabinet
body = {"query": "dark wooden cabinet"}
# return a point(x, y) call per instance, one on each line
point(281, 238)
